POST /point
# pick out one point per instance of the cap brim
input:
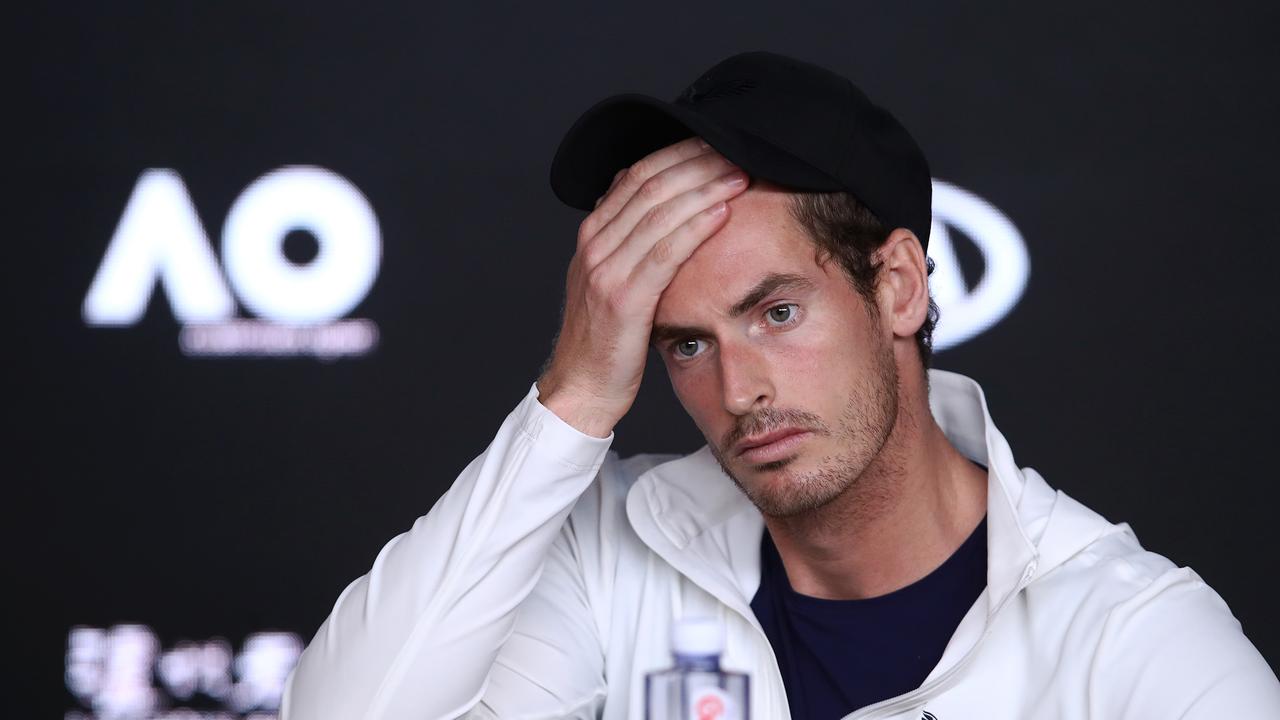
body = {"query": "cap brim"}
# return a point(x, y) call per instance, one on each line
point(618, 131)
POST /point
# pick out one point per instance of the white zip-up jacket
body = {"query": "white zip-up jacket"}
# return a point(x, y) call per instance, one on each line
point(544, 584)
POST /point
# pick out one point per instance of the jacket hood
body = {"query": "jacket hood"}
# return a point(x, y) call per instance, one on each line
point(694, 516)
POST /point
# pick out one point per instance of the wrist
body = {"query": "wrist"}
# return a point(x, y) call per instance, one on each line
point(584, 414)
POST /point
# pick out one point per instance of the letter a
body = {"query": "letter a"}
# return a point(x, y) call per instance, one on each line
point(159, 237)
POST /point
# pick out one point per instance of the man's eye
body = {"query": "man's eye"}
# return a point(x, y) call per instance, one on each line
point(781, 314)
point(688, 348)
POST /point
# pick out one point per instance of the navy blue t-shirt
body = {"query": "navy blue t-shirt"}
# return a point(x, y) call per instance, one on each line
point(837, 656)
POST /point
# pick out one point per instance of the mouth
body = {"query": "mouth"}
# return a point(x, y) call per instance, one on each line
point(771, 446)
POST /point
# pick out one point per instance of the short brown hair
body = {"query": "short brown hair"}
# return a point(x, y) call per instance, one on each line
point(844, 228)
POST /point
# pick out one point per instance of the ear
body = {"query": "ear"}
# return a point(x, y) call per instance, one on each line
point(903, 290)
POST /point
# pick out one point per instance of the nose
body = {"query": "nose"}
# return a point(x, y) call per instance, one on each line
point(745, 375)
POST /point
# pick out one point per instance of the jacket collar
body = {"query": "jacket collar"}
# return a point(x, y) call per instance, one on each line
point(693, 516)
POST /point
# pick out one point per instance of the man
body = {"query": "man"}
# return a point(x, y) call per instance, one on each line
point(856, 521)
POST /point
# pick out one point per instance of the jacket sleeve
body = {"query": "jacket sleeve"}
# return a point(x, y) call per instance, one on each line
point(1176, 651)
point(418, 635)
point(552, 666)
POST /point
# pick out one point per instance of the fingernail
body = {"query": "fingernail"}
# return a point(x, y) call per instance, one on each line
point(736, 179)
point(703, 144)
point(718, 209)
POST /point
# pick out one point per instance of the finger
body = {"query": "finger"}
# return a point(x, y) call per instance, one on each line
point(613, 184)
point(655, 191)
point(655, 270)
point(617, 177)
point(633, 177)
point(650, 233)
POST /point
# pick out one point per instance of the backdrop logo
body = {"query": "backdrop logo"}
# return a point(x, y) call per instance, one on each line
point(298, 306)
point(123, 673)
point(967, 311)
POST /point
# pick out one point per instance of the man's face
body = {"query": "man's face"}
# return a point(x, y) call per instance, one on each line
point(764, 345)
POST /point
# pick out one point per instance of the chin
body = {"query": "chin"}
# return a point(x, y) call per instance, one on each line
point(781, 487)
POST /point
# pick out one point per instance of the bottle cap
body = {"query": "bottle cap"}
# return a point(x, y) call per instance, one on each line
point(697, 636)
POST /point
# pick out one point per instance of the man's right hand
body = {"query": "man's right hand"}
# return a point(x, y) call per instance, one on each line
point(656, 213)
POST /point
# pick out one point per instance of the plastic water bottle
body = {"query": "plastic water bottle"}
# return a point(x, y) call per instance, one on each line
point(696, 688)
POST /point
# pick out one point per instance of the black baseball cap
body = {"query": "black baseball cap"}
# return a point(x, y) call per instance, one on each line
point(784, 120)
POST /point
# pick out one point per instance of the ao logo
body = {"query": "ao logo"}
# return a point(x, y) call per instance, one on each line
point(967, 313)
point(159, 235)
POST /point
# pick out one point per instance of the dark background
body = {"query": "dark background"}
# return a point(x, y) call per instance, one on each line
point(1135, 150)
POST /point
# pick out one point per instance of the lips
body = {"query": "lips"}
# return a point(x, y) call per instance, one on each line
point(770, 446)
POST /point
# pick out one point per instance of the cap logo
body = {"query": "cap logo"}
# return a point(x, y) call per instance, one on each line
point(707, 89)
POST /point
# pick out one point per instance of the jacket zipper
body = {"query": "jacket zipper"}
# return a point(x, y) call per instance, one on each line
point(887, 708)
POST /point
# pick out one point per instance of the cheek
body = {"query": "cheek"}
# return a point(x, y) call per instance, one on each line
point(695, 391)
point(698, 391)
point(817, 364)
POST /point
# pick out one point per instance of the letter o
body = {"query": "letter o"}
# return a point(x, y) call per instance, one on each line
point(331, 209)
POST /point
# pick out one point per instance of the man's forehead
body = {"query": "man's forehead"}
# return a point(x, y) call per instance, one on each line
point(759, 239)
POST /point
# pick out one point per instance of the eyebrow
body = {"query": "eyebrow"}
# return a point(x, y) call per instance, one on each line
point(768, 285)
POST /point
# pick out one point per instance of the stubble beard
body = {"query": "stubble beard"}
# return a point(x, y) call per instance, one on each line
point(868, 418)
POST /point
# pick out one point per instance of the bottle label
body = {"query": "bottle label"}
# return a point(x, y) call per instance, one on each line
point(711, 703)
